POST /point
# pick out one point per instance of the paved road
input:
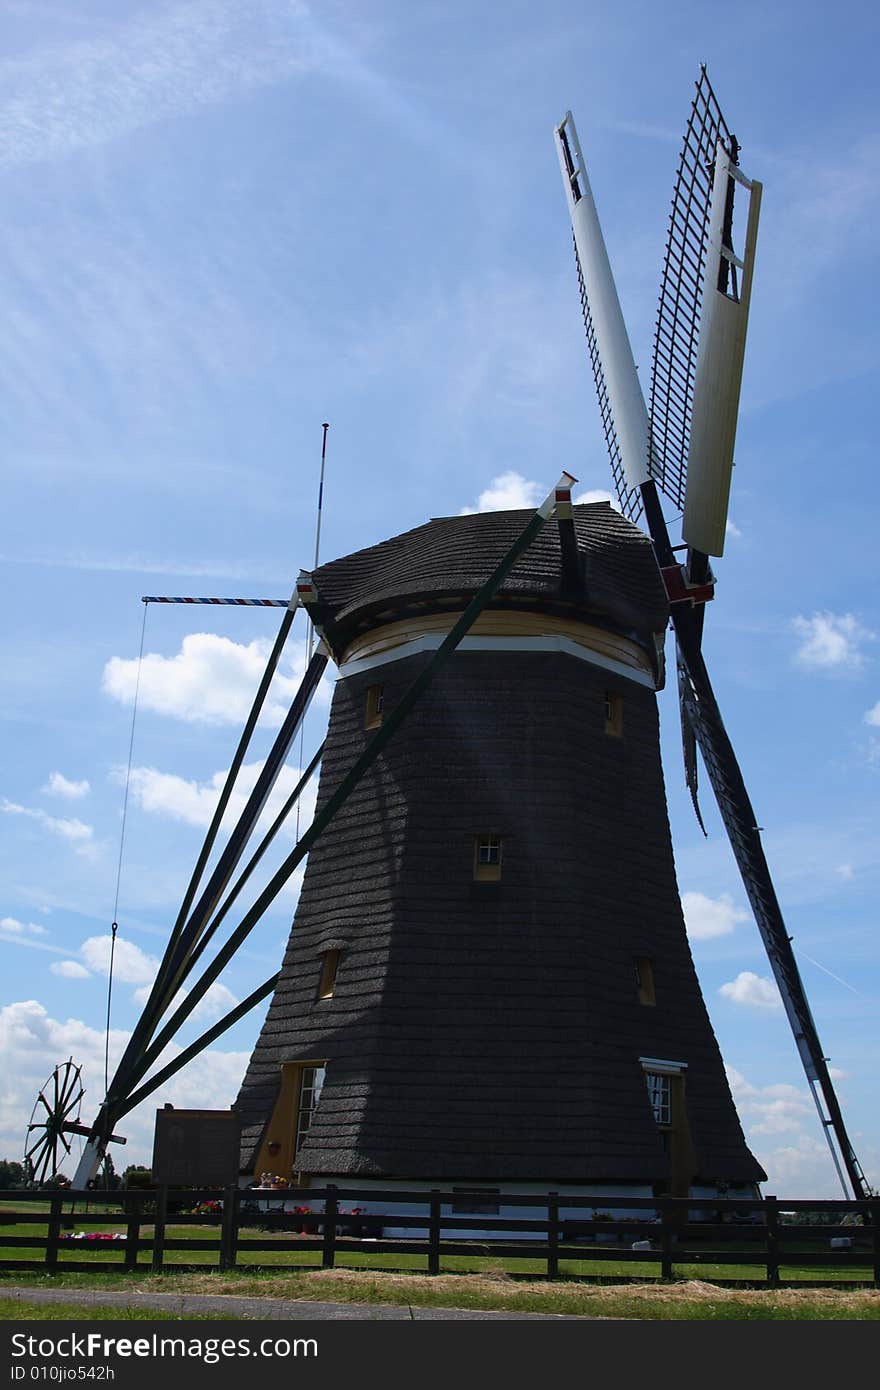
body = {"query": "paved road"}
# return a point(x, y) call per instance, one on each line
point(272, 1309)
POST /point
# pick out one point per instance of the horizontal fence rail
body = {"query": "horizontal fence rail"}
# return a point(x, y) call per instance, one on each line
point(730, 1241)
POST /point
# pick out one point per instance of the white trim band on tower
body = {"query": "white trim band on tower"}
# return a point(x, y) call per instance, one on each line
point(431, 641)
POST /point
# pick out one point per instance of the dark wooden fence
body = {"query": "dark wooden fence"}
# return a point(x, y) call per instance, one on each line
point(660, 1235)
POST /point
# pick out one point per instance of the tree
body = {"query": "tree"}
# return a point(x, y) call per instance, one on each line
point(11, 1174)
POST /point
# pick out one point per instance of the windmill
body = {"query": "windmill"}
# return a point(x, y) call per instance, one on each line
point(488, 980)
point(681, 443)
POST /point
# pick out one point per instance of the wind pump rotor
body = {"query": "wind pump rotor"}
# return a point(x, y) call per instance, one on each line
point(55, 1115)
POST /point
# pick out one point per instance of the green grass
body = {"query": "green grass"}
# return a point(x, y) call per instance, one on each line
point(693, 1301)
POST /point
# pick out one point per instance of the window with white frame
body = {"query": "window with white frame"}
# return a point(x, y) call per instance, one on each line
point(311, 1084)
point(660, 1094)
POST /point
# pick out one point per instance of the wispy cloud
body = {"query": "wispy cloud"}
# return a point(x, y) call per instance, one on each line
point(153, 564)
point(69, 970)
point(163, 61)
point(13, 927)
point(77, 834)
point(193, 803)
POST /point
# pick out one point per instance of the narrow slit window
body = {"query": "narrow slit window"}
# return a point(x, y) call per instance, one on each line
point(644, 969)
point(487, 858)
point(374, 706)
point(327, 982)
point(613, 713)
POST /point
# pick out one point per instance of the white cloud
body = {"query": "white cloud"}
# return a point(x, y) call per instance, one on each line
point(16, 928)
point(780, 1125)
point(131, 965)
point(595, 494)
point(732, 530)
point(873, 716)
point(32, 1044)
point(70, 970)
point(211, 680)
point(707, 917)
point(166, 794)
point(772, 1109)
point(59, 785)
point(75, 832)
point(508, 492)
point(845, 871)
point(831, 641)
point(753, 991)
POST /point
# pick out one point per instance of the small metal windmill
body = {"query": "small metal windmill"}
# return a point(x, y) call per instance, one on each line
point(54, 1117)
point(681, 443)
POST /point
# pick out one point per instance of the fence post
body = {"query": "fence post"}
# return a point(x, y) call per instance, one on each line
point(229, 1228)
point(434, 1232)
point(875, 1222)
point(53, 1233)
point(552, 1235)
point(331, 1210)
point(132, 1233)
point(771, 1221)
point(665, 1238)
point(159, 1229)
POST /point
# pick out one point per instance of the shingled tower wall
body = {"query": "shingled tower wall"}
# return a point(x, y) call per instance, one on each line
point(496, 1029)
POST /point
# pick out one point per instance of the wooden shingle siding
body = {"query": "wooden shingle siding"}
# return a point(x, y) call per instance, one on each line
point(496, 1036)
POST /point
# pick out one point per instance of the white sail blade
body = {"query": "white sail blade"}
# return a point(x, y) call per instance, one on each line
point(719, 368)
point(628, 409)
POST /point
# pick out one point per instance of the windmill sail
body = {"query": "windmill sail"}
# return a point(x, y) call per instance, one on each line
point(699, 347)
point(621, 402)
point(725, 312)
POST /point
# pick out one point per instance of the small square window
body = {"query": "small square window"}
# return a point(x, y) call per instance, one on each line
point(487, 857)
point(644, 969)
point(327, 982)
point(613, 713)
point(374, 706)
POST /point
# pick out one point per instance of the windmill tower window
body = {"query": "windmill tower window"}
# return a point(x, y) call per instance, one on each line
point(666, 1093)
point(613, 713)
point(374, 706)
point(310, 1087)
point(487, 858)
point(644, 969)
point(660, 1095)
point(327, 982)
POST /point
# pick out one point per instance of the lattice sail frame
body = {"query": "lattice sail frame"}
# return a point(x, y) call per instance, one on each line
point(678, 316)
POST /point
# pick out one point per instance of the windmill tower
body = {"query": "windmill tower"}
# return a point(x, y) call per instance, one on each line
point(488, 981)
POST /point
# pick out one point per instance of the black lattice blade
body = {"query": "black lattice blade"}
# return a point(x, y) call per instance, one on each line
point(678, 315)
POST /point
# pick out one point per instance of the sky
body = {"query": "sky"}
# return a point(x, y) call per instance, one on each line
point(228, 221)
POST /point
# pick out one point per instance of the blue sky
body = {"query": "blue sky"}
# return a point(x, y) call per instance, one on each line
point(227, 221)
